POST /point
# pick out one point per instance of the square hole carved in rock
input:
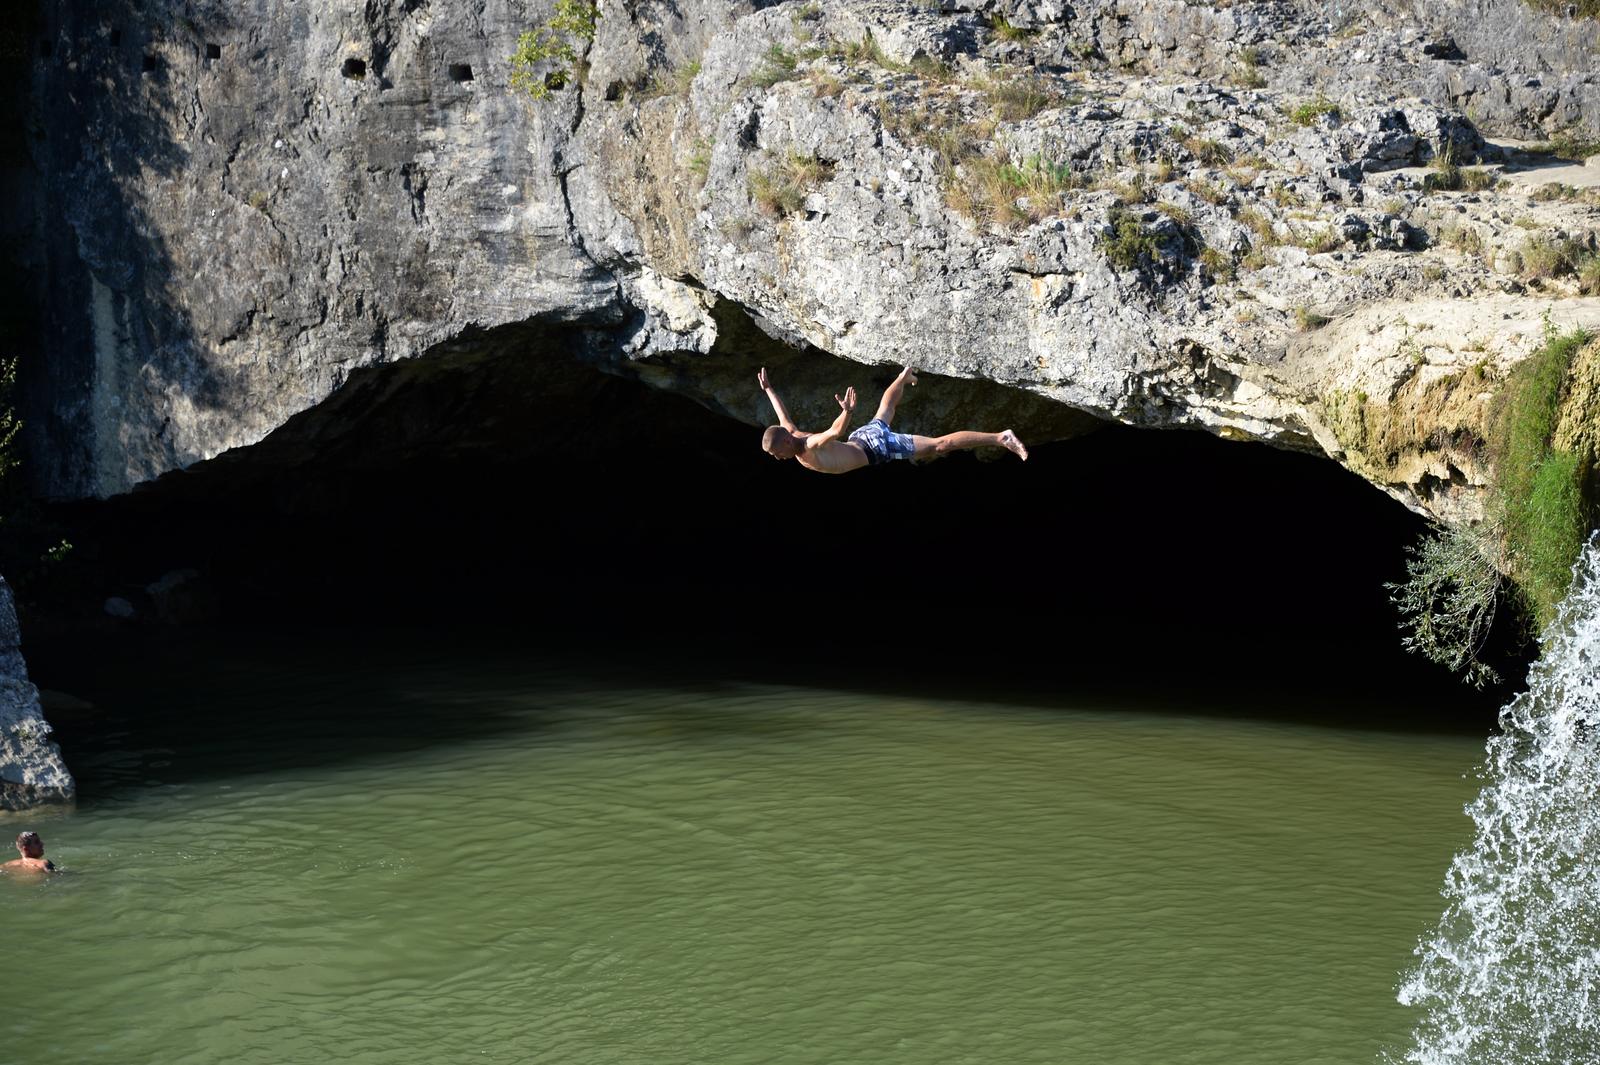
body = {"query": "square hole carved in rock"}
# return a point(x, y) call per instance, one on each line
point(213, 51)
point(460, 72)
point(354, 69)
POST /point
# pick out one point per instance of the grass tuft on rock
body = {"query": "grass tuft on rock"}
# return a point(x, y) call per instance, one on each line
point(1019, 96)
point(780, 190)
point(1311, 111)
point(779, 64)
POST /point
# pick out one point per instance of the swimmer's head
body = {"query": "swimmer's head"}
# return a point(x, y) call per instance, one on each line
point(779, 442)
point(30, 845)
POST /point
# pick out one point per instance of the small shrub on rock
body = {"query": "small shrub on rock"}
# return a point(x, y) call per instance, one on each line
point(1448, 601)
point(1129, 246)
point(547, 56)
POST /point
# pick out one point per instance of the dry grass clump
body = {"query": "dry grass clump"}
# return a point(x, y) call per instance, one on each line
point(1463, 238)
point(1552, 191)
point(1589, 276)
point(1211, 192)
point(1542, 256)
point(1019, 96)
point(1248, 75)
point(1450, 176)
point(952, 138)
point(674, 82)
point(1130, 192)
point(994, 189)
point(1569, 144)
point(780, 190)
point(1306, 319)
point(1322, 240)
point(1208, 152)
point(1217, 266)
point(1007, 32)
point(777, 65)
point(1257, 222)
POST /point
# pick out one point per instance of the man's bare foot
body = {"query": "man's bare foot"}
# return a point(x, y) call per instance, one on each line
point(1009, 441)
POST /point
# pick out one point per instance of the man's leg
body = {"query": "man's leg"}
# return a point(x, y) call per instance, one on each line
point(891, 395)
point(929, 447)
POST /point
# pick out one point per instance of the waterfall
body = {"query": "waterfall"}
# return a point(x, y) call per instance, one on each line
point(1511, 976)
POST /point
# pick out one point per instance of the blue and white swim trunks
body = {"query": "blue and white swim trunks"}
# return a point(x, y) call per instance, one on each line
point(881, 445)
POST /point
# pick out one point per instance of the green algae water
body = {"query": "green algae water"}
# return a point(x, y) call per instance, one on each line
point(428, 854)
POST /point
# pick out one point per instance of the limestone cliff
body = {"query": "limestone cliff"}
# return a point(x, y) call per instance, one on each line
point(1139, 210)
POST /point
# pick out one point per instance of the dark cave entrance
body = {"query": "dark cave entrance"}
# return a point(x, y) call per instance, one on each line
point(541, 497)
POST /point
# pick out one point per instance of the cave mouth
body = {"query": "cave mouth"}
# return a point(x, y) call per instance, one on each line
point(542, 497)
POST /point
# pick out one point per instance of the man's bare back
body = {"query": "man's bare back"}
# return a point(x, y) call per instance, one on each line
point(31, 847)
point(834, 456)
point(871, 444)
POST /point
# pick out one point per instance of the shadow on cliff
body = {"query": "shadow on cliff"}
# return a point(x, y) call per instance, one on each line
point(107, 95)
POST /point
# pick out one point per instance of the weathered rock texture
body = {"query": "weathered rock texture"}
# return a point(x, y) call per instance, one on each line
point(236, 208)
point(31, 770)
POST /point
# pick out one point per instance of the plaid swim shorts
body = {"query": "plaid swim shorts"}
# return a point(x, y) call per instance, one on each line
point(881, 445)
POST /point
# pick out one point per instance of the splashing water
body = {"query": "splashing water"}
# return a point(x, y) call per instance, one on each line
point(1512, 974)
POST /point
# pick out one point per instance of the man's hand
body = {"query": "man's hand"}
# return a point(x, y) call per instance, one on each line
point(848, 403)
point(763, 380)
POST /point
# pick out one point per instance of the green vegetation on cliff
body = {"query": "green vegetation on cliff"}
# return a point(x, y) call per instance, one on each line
point(1539, 490)
point(547, 55)
point(1542, 440)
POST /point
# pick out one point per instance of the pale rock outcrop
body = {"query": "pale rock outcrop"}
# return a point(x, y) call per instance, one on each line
point(31, 769)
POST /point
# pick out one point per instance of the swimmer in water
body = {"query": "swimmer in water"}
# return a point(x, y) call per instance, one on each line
point(31, 847)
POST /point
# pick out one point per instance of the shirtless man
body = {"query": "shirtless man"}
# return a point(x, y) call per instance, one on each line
point(31, 847)
point(873, 443)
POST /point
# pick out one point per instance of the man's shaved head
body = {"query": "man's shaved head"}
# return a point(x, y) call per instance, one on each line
point(780, 442)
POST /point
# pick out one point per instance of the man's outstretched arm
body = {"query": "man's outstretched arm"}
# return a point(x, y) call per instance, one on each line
point(777, 404)
point(847, 403)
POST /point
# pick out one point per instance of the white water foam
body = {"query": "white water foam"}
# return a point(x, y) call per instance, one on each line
point(1512, 974)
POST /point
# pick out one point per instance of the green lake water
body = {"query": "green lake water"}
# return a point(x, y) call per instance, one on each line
point(427, 854)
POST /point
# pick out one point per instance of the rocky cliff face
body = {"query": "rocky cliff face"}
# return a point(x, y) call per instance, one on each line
point(31, 770)
point(1139, 210)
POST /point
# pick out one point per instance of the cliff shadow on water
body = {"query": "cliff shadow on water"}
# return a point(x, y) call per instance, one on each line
point(543, 503)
